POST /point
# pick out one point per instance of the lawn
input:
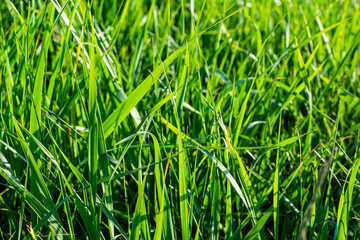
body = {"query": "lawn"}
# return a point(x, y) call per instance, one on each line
point(177, 119)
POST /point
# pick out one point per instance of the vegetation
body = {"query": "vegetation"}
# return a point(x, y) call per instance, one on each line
point(179, 119)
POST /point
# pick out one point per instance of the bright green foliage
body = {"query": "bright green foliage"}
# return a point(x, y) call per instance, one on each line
point(179, 119)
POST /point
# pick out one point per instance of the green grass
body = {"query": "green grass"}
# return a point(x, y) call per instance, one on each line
point(179, 119)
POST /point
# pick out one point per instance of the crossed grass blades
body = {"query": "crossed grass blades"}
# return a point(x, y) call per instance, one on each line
point(179, 119)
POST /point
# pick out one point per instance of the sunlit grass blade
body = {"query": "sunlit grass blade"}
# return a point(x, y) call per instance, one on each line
point(345, 204)
point(276, 192)
point(125, 107)
point(140, 213)
point(216, 161)
point(254, 232)
point(93, 132)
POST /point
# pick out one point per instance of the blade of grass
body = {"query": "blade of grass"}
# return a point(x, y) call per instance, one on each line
point(93, 132)
point(254, 232)
point(276, 204)
point(125, 107)
point(345, 203)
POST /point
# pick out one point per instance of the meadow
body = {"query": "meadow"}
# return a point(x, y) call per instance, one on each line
point(175, 119)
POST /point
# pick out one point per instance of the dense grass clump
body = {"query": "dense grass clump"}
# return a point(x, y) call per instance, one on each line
point(179, 119)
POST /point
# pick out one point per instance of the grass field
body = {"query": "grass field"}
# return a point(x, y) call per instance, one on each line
point(179, 119)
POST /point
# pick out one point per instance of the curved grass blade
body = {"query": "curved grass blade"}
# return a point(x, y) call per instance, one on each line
point(129, 103)
point(35, 204)
point(217, 163)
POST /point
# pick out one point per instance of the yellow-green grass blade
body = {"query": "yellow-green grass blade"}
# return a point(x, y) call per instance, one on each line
point(35, 113)
point(217, 163)
point(228, 202)
point(244, 177)
point(183, 182)
point(276, 192)
point(294, 90)
point(160, 185)
point(131, 101)
point(93, 131)
point(101, 49)
point(254, 232)
point(140, 213)
point(62, 53)
point(215, 205)
point(126, 106)
point(352, 48)
point(104, 171)
point(346, 203)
